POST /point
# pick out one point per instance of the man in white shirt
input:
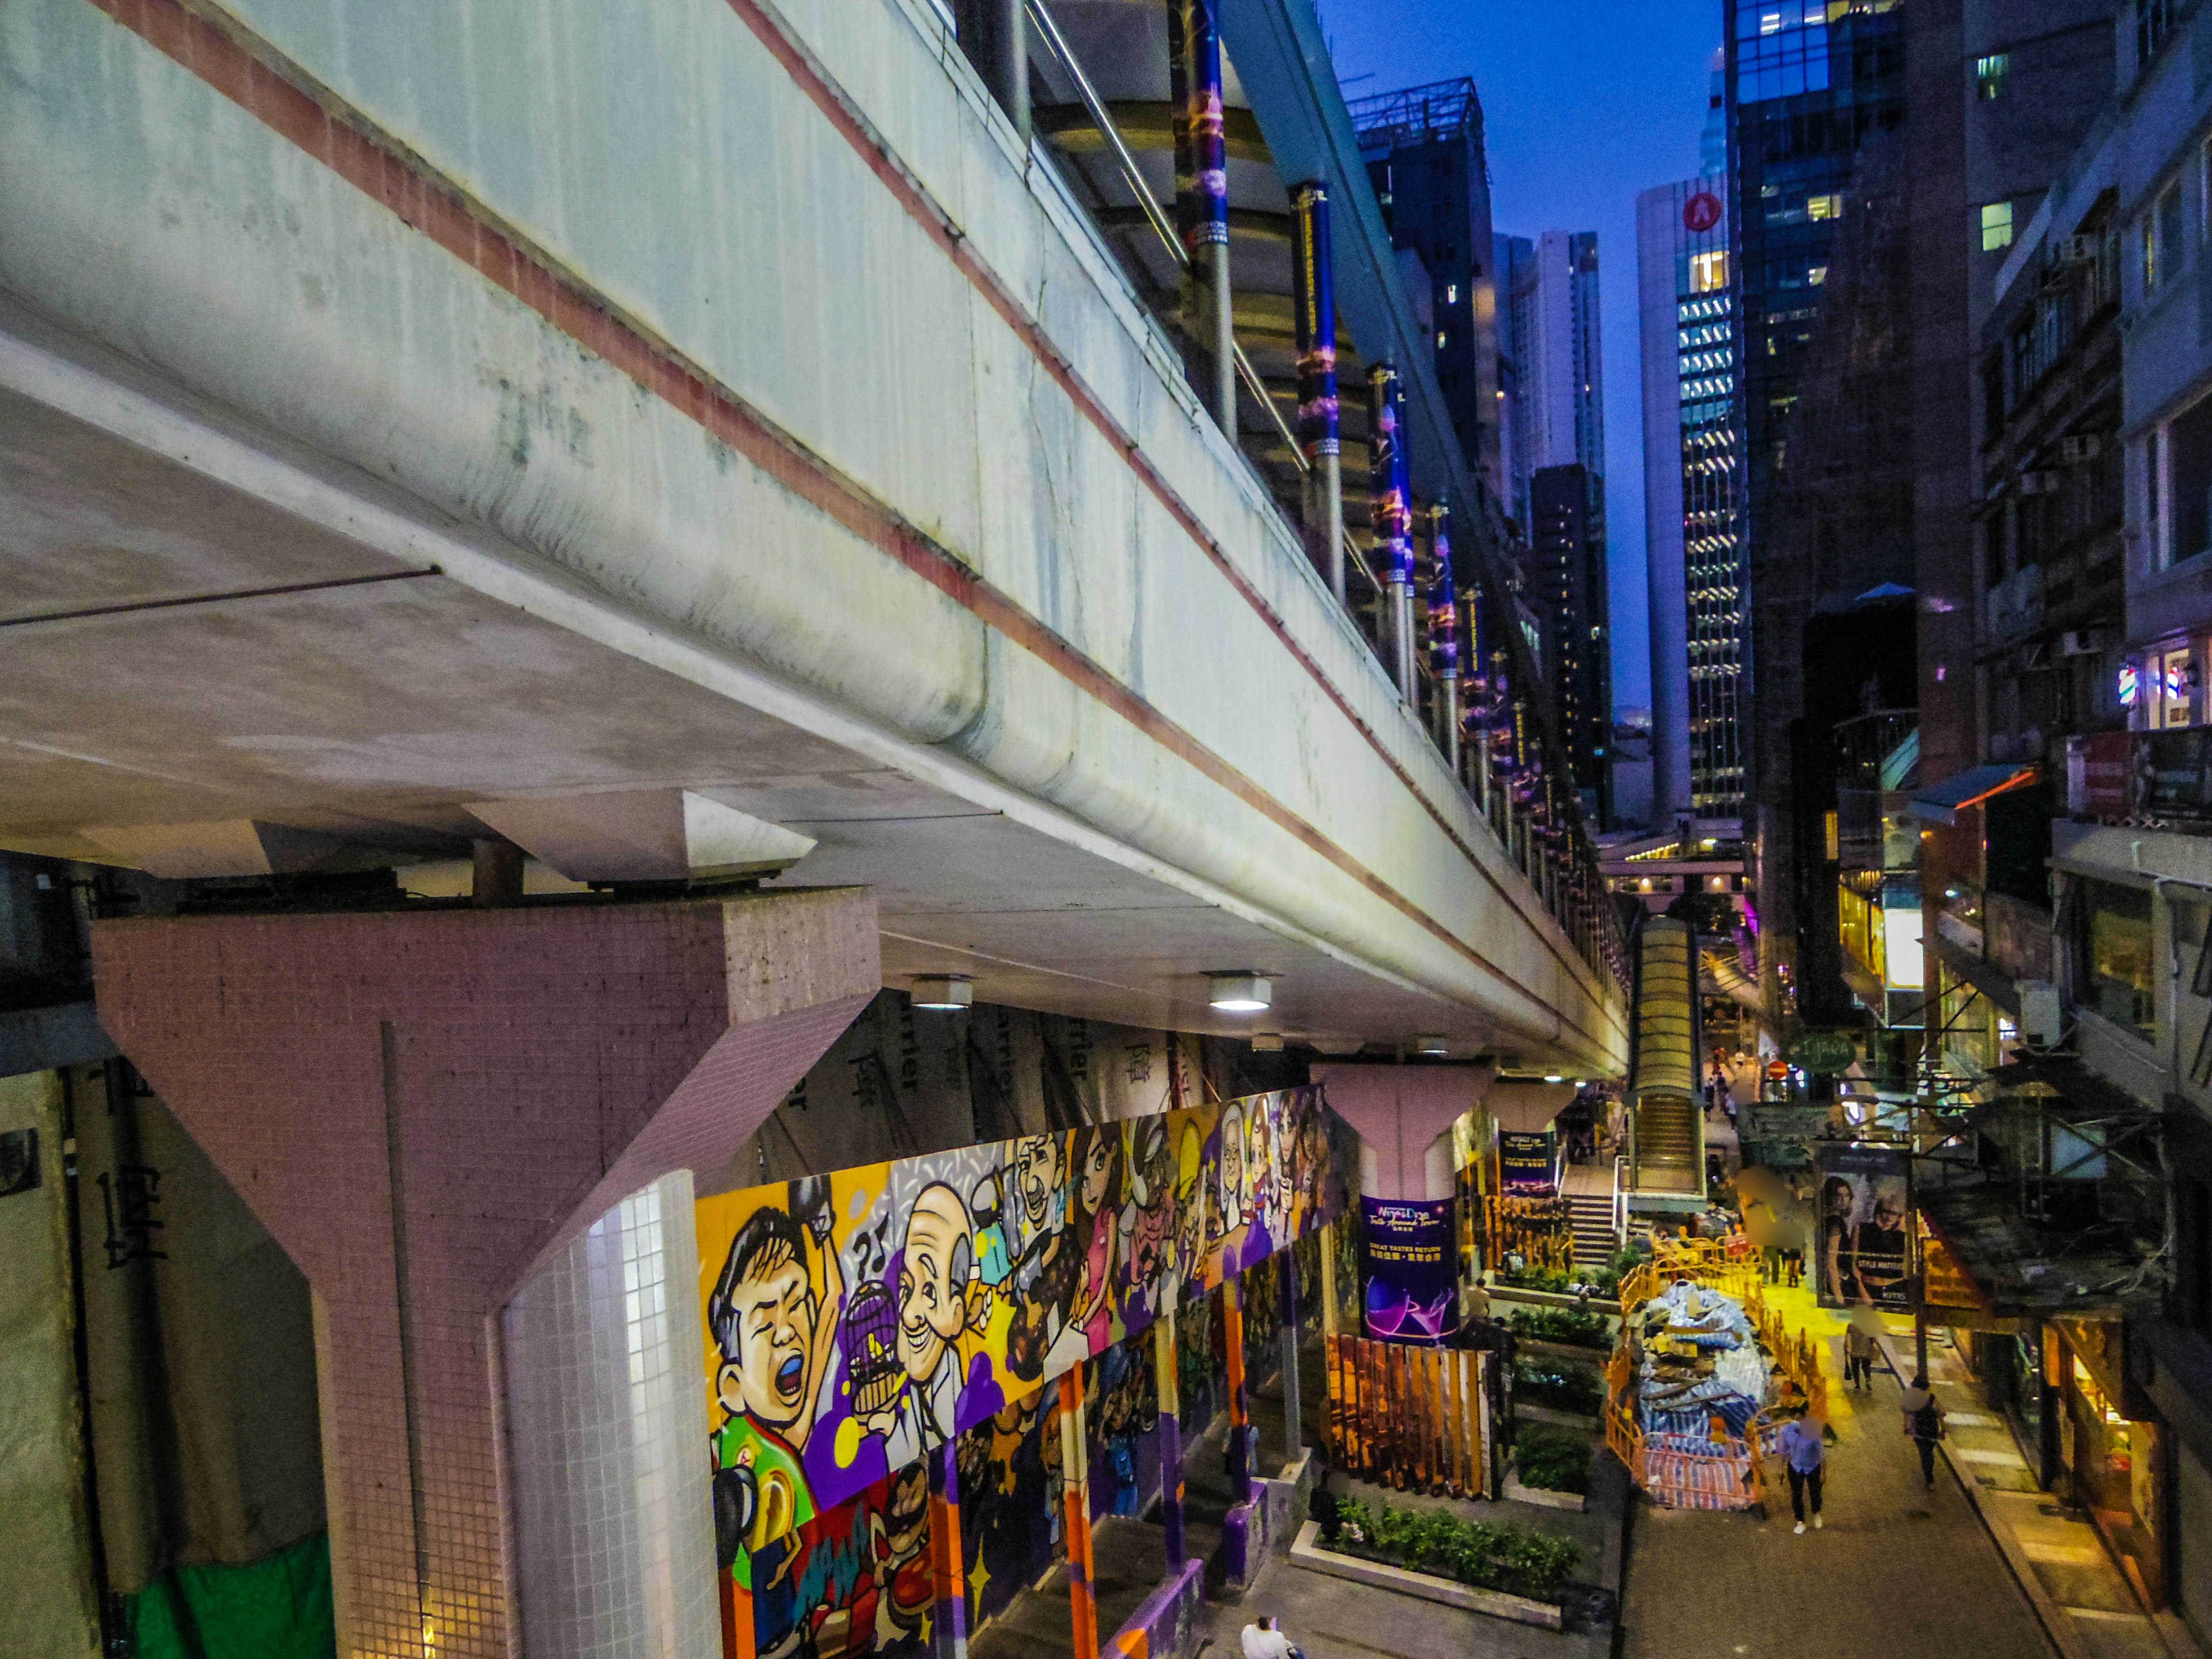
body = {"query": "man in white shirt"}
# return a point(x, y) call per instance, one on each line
point(1265, 1640)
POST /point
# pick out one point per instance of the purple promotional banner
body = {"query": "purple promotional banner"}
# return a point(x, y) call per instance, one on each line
point(1528, 1161)
point(1408, 1293)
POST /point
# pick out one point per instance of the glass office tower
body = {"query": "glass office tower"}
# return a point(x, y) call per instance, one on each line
point(1808, 81)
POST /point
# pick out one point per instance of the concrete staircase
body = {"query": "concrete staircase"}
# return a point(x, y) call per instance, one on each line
point(1595, 1207)
point(1669, 1149)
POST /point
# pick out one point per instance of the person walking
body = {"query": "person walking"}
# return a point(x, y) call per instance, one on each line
point(1804, 1449)
point(1858, 1358)
point(1923, 1423)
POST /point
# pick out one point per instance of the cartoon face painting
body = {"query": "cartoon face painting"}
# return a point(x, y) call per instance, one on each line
point(1231, 1183)
point(858, 1321)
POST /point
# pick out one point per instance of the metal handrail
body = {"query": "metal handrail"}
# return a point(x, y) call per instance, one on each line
point(1155, 214)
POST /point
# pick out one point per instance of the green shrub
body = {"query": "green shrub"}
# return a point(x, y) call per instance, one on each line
point(1487, 1555)
point(1561, 1385)
point(1533, 1278)
point(1576, 1327)
point(1555, 1460)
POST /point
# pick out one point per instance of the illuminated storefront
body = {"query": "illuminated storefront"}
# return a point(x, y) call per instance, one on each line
point(2107, 1449)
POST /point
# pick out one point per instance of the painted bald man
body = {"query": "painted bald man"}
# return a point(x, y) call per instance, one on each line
point(938, 1305)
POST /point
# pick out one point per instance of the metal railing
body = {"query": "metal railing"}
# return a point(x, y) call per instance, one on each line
point(1566, 877)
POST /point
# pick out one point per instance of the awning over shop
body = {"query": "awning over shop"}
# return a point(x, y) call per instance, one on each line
point(1941, 803)
point(2015, 1267)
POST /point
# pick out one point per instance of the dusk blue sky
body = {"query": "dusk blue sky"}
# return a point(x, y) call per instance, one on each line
point(1583, 106)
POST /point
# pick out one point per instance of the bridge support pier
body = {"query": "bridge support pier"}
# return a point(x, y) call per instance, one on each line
point(476, 1131)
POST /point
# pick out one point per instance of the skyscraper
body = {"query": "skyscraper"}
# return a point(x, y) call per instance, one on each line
point(1808, 83)
point(1692, 505)
point(1567, 580)
point(1424, 152)
point(1552, 368)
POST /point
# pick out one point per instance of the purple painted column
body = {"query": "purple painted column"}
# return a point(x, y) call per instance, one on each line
point(1166, 1366)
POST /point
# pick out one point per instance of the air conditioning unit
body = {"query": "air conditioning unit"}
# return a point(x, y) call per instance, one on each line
point(2078, 642)
point(2084, 447)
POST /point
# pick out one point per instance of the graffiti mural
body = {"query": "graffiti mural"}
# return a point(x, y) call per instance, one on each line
point(857, 1321)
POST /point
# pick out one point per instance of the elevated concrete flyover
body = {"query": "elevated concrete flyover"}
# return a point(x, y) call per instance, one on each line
point(636, 432)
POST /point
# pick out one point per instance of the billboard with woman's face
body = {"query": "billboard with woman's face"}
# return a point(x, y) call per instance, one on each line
point(1862, 1214)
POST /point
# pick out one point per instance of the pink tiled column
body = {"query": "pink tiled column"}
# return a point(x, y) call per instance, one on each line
point(422, 1105)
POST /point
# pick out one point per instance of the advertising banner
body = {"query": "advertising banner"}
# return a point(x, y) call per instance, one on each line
point(1864, 1227)
point(858, 1320)
point(1526, 1161)
point(1405, 1271)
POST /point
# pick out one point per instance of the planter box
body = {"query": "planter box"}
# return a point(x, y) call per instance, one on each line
point(1542, 1497)
point(1305, 1553)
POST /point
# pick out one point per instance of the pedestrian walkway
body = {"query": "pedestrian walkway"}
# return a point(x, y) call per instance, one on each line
point(2078, 1591)
point(1898, 1569)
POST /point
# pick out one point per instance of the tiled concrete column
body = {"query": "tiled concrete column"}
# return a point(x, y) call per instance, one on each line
point(614, 1521)
point(424, 1106)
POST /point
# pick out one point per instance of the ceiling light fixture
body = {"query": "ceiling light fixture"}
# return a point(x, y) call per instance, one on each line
point(1431, 1045)
point(1553, 1077)
point(1239, 991)
point(944, 990)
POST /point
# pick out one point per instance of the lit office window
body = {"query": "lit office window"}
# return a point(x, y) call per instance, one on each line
point(1997, 226)
point(1709, 271)
point(1824, 207)
point(1989, 76)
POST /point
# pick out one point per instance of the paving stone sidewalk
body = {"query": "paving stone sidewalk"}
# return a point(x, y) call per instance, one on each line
point(1897, 1570)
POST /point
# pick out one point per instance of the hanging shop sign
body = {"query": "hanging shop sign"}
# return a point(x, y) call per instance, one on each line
point(1527, 1161)
point(856, 1321)
point(1824, 1051)
point(1864, 1220)
point(1405, 1270)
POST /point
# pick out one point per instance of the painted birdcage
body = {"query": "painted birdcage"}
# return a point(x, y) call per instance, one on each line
point(871, 1343)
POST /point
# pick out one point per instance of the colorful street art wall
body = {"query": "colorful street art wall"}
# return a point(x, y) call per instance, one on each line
point(857, 1321)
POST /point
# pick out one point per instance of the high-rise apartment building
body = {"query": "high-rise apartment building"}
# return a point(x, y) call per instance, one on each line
point(1692, 500)
point(1422, 148)
point(1550, 348)
point(1567, 580)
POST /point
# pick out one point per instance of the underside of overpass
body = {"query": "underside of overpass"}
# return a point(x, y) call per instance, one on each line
point(780, 477)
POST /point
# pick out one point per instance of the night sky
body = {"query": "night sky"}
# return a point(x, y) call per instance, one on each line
point(1585, 104)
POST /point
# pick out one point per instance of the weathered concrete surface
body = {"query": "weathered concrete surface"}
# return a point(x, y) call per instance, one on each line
point(844, 478)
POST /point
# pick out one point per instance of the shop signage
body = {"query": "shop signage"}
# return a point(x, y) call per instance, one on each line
point(1408, 1288)
point(2101, 774)
point(1946, 1282)
point(1526, 1162)
point(2180, 782)
point(1701, 213)
point(1826, 1052)
point(1864, 1243)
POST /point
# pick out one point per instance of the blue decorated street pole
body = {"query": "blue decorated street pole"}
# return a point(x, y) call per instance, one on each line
point(1391, 517)
point(1314, 313)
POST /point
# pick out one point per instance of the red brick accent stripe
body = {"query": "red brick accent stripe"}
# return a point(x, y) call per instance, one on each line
point(240, 68)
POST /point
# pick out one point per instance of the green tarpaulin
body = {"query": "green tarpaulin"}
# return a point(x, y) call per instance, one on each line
point(277, 1607)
